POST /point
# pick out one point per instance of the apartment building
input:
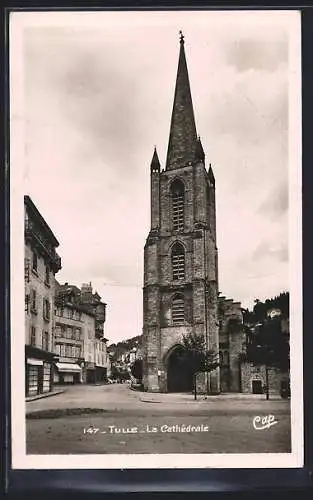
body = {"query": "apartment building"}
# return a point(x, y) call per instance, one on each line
point(41, 265)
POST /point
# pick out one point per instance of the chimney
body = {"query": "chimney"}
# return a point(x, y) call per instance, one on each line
point(86, 293)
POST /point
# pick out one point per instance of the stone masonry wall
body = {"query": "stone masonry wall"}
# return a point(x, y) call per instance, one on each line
point(159, 335)
point(249, 372)
point(230, 344)
point(155, 200)
point(43, 290)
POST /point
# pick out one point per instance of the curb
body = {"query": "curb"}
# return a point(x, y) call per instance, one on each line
point(150, 401)
point(41, 396)
point(205, 400)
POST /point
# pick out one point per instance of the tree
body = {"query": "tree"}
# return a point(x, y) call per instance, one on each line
point(197, 357)
point(260, 309)
point(270, 347)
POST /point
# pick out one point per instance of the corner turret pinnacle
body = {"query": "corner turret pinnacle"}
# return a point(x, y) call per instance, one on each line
point(199, 153)
point(211, 175)
point(155, 163)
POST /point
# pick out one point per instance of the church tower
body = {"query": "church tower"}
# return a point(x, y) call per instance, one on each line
point(180, 293)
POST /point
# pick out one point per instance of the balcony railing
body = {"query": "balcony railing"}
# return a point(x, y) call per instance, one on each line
point(32, 232)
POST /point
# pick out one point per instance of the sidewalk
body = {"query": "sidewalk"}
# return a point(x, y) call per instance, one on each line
point(44, 395)
point(149, 397)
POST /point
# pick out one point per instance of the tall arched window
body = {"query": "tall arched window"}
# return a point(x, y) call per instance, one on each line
point(178, 262)
point(178, 309)
point(178, 195)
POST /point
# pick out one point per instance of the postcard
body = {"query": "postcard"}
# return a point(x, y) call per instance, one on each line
point(156, 259)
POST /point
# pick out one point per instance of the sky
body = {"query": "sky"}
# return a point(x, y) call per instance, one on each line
point(98, 93)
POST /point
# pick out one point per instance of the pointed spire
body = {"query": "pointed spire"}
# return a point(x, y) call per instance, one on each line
point(155, 162)
point(199, 150)
point(183, 134)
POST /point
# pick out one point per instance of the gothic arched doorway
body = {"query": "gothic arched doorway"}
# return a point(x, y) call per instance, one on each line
point(179, 377)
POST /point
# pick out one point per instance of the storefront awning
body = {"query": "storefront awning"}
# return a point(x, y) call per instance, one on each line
point(32, 352)
point(34, 362)
point(68, 367)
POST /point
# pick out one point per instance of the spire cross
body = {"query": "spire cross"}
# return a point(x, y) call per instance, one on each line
point(181, 37)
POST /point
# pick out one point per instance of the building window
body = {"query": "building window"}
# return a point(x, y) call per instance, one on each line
point(224, 345)
point(177, 192)
point(27, 300)
point(45, 341)
point(46, 309)
point(35, 262)
point(33, 301)
point(27, 266)
point(178, 262)
point(178, 309)
point(57, 331)
point(47, 274)
point(225, 358)
point(33, 335)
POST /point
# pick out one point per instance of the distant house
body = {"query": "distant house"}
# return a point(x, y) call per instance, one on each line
point(71, 328)
point(80, 343)
point(254, 377)
point(273, 313)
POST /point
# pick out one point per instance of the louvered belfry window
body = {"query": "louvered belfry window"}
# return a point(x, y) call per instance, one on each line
point(178, 262)
point(177, 190)
point(178, 309)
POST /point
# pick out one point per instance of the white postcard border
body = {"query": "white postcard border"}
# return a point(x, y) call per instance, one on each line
point(20, 460)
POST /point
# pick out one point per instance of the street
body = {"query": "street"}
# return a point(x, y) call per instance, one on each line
point(114, 419)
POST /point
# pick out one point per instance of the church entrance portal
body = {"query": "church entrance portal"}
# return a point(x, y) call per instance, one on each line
point(179, 378)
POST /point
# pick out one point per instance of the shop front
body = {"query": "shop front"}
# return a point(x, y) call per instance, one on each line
point(68, 373)
point(100, 375)
point(90, 372)
point(38, 371)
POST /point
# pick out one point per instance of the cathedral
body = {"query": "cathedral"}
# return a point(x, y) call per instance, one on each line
point(180, 293)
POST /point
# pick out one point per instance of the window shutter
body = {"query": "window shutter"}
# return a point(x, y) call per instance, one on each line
point(178, 310)
point(177, 190)
point(27, 266)
point(178, 262)
point(27, 303)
